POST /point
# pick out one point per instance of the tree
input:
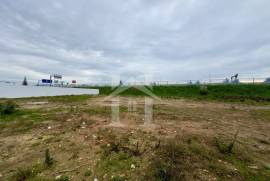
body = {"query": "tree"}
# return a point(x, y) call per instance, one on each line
point(226, 81)
point(25, 83)
point(120, 83)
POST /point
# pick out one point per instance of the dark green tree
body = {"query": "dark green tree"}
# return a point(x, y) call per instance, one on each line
point(120, 83)
point(25, 83)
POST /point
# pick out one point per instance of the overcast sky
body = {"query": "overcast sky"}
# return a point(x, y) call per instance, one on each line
point(92, 40)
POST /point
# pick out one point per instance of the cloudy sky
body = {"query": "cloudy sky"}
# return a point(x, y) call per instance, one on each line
point(93, 40)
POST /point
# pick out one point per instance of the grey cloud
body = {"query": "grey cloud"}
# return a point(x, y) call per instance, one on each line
point(173, 40)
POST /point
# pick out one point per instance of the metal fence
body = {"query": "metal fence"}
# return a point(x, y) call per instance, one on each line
point(246, 80)
point(243, 80)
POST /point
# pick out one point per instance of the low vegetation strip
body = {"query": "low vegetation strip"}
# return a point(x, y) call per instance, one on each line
point(225, 92)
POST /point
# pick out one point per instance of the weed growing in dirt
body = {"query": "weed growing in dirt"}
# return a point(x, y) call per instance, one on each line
point(223, 147)
point(88, 173)
point(48, 159)
point(121, 144)
point(166, 165)
point(28, 173)
point(119, 155)
point(23, 174)
point(226, 148)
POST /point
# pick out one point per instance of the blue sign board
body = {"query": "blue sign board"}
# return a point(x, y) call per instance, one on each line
point(46, 81)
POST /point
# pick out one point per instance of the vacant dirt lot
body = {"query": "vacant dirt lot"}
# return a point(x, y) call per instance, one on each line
point(187, 140)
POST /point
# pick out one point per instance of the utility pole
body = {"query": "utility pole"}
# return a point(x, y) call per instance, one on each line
point(50, 80)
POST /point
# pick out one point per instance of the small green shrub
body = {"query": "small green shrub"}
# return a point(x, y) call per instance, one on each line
point(162, 172)
point(48, 159)
point(28, 173)
point(203, 90)
point(223, 147)
point(88, 173)
point(226, 148)
point(8, 107)
point(23, 174)
point(267, 166)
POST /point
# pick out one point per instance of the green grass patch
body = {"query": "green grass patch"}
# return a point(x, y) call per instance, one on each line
point(25, 119)
point(56, 99)
point(115, 163)
point(245, 93)
point(70, 99)
point(31, 173)
point(28, 173)
point(174, 159)
point(247, 173)
point(8, 107)
point(97, 110)
point(26, 114)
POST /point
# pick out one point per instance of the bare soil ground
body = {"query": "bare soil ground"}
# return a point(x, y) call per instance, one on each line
point(189, 140)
